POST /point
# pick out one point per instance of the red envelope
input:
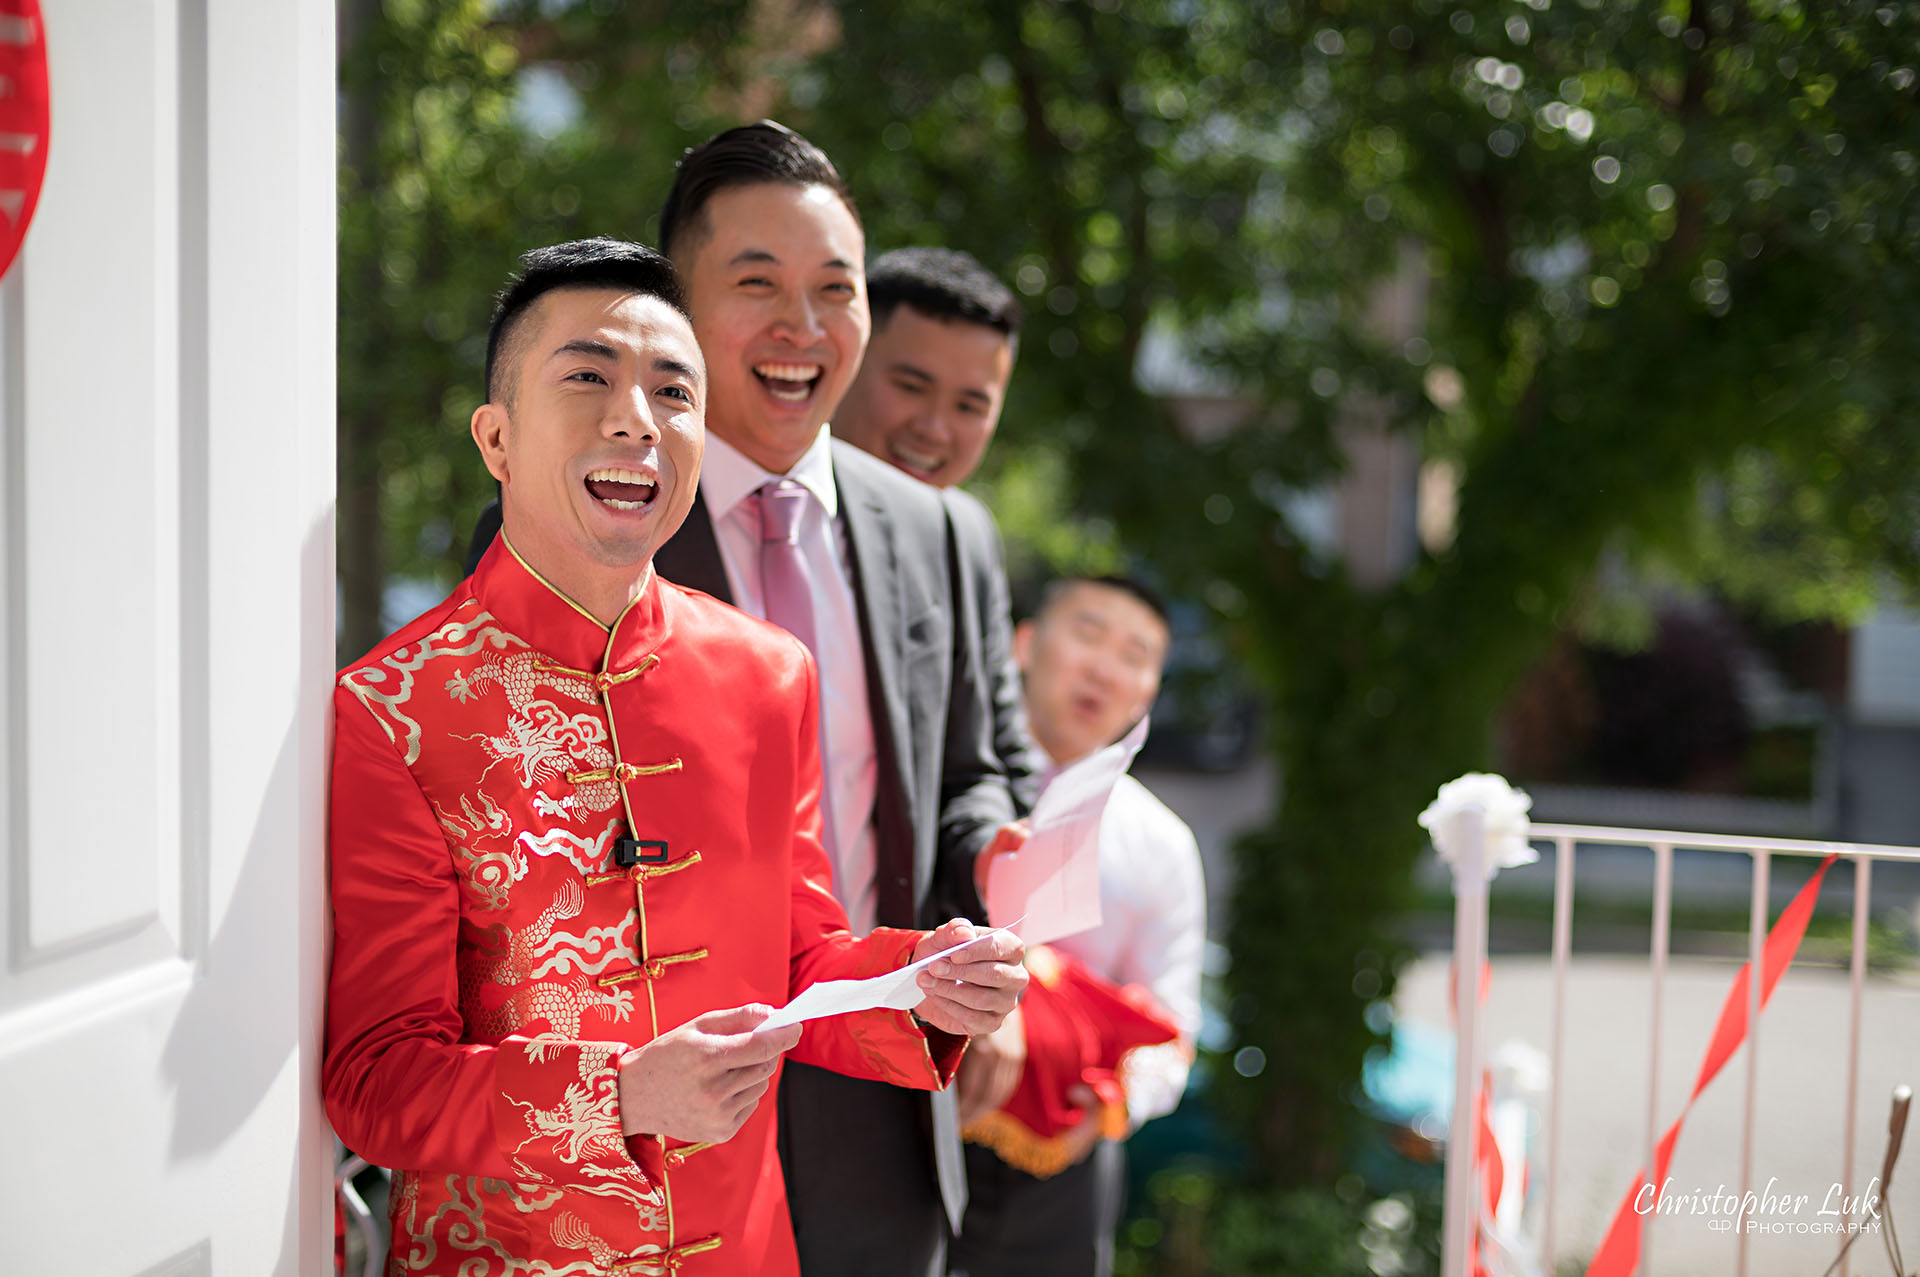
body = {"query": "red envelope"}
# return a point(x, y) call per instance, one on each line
point(1080, 1028)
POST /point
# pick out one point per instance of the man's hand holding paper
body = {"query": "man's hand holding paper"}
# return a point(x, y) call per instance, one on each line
point(963, 980)
point(972, 988)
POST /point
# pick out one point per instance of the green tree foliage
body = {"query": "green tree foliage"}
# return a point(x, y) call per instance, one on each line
point(425, 123)
point(1703, 274)
point(1655, 244)
point(449, 172)
point(1640, 251)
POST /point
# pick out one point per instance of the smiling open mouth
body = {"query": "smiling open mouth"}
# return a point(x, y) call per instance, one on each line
point(622, 489)
point(789, 383)
point(914, 460)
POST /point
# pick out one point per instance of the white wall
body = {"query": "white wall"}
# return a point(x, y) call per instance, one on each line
point(166, 552)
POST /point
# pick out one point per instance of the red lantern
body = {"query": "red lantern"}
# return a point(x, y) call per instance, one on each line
point(24, 103)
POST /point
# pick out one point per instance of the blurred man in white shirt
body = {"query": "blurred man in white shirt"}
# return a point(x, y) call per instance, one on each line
point(927, 399)
point(1090, 660)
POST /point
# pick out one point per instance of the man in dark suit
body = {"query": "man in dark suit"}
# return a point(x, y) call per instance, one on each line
point(764, 233)
point(866, 565)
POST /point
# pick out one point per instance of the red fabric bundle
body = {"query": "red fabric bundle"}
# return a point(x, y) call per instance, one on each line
point(1079, 1029)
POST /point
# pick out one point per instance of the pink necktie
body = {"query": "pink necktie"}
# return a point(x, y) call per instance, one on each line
point(789, 604)
point(783, 569)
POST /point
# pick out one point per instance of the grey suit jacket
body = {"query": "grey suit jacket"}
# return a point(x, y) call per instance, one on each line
point(989, 606)
point(940, 795)
point(941, 790)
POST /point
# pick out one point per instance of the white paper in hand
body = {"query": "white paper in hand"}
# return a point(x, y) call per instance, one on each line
point(896, 990)
point(1054, 880)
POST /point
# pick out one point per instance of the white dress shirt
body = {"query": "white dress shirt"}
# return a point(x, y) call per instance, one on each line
point(727, 479)
point(1152, 932)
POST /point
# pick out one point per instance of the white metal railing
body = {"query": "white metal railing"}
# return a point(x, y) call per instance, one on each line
point(1474, 857)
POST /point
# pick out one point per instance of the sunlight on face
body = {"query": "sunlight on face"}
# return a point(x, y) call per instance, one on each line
point(600, 453)
point(928, 395)
point(777, 287)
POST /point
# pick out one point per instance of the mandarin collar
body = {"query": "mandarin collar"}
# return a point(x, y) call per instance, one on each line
point(529, 607)
point(728, 476)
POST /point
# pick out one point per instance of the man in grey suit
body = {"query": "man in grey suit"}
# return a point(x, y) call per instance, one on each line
point(766, 238)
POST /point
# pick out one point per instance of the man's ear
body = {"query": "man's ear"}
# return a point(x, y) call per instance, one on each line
point(1022, 643)
point(490, 427)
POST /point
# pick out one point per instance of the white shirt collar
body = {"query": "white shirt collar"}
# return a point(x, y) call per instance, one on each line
point(728, 475)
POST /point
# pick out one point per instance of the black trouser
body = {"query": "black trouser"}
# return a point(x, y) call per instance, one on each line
point(1019, 1226)
point(861, 1185)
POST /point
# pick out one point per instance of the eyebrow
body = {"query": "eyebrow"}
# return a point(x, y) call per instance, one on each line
point(585, 346)
point(906, 367)
point(601, 350)
point(748, 256)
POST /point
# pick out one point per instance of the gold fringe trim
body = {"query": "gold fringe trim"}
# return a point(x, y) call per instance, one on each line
point(1019, 1146)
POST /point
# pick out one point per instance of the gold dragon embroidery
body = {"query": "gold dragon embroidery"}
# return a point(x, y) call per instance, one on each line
point(583, 1129)
point(508, 956)
point(388, 684)
point(518, 674)
point(488, 874)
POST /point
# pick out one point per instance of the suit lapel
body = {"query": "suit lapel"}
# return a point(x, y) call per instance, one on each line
point(691, 556)
point(877, 590)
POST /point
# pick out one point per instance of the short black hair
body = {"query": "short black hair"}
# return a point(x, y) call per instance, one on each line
point(941, 283)
point(765, 151)
point(1132, 585)
point(582, 263)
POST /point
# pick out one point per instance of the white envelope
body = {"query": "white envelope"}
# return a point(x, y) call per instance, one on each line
point(1053, 882)
point(897, 990)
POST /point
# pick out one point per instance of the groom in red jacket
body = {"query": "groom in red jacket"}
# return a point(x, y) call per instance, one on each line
point(575, 846)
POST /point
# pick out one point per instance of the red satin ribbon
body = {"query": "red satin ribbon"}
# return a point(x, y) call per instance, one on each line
point(1491, 1167)
point(1619, 1253)
point(1492, 1171)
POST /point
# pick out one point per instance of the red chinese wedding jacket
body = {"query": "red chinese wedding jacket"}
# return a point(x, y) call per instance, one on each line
point(491, 962)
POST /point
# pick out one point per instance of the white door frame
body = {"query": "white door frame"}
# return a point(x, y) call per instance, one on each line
point(166, 634)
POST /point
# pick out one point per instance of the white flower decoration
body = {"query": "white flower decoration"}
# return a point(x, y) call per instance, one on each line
point(1503, 812)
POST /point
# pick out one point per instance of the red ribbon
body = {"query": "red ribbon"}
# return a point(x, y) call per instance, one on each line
point(1492, 1175)
point(1619, 1253)
point(1487, 1159)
